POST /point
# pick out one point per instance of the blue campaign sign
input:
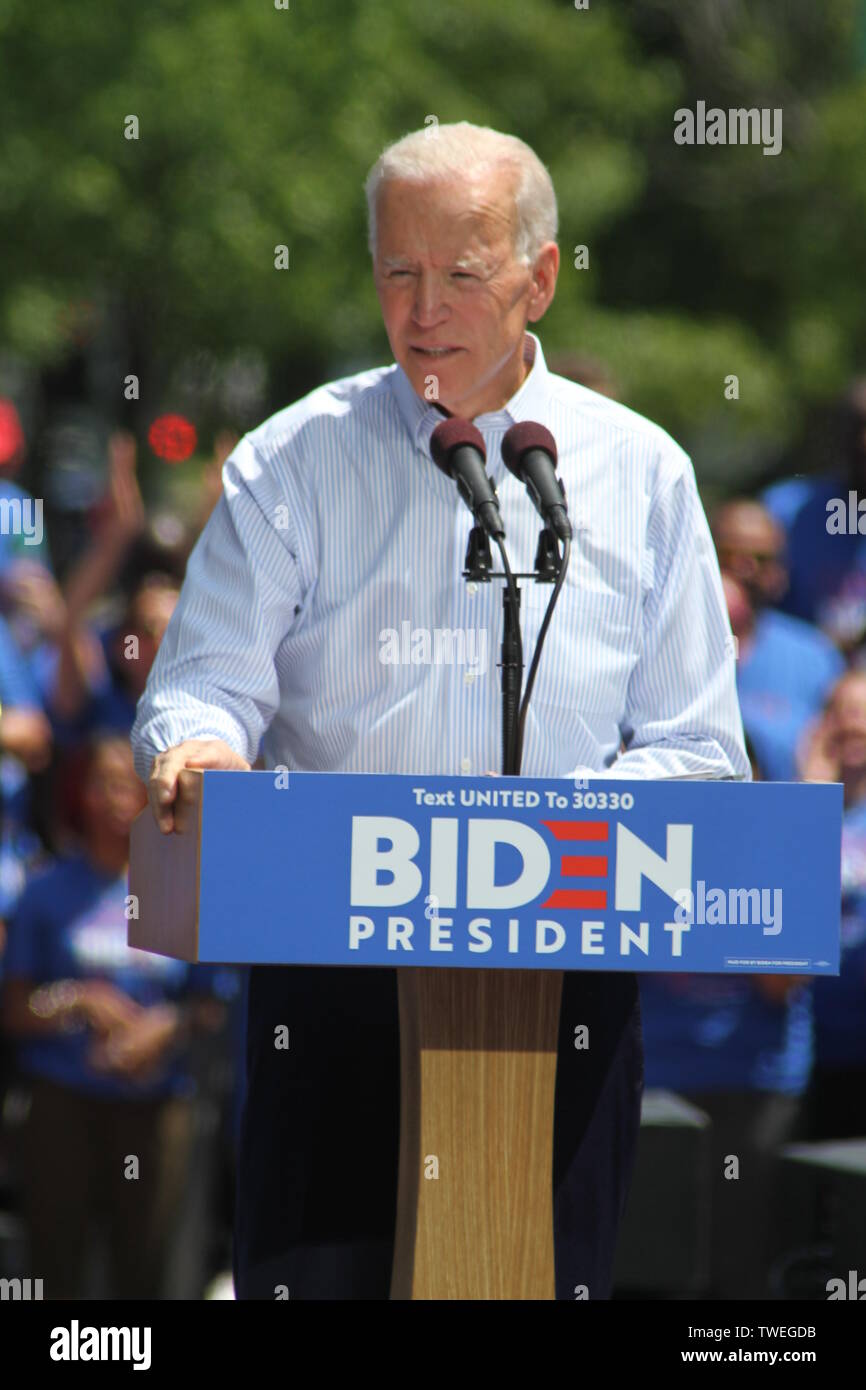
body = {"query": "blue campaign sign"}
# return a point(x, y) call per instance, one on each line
point(520, 873)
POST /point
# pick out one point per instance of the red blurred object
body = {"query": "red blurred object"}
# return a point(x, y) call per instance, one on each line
point(11, 433)
point(172, 437)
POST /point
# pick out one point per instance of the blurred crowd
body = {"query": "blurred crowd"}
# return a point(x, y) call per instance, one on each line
point(120, 1072)
point(777, 1059)
point(118, 1067)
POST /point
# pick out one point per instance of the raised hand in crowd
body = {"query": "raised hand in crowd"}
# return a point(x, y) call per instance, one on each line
point(26, 734)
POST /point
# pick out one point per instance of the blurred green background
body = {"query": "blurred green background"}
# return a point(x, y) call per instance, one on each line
point(257, 126)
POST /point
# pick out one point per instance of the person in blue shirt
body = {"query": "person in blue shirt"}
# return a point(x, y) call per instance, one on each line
point(837, 1094)
point(85, 676)
point(740, 1048)
point(826, 537)
point(100, 1031)
point(104, 674)
point(25, 748)
point(785, 667)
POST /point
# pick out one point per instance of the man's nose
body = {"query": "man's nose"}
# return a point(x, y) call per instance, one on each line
point(429, 305)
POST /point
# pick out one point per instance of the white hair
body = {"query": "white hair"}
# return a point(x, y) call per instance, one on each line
point(440, 152)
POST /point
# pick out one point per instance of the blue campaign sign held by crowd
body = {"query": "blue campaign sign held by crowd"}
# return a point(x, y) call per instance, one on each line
point(520, 873)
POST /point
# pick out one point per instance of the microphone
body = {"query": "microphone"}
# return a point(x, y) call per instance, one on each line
point(458, 449)
point(529, 452)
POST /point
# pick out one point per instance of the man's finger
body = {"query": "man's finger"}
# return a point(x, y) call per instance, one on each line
point(162, 787)
point(219, 756)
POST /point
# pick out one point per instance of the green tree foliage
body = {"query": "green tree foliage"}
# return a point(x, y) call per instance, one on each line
point(257, 126)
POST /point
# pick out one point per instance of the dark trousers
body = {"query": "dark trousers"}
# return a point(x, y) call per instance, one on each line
point(317, 1167)
point(73, 1152)
point(836, 1103)
point(750, 1126)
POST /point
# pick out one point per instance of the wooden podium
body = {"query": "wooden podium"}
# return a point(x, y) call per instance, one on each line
point(478, 1069)
point(335, 869)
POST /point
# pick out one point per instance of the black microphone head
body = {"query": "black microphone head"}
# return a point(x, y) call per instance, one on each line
point(523, 437)
point(452, 434)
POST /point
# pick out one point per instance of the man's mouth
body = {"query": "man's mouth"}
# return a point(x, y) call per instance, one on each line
point(436, 353)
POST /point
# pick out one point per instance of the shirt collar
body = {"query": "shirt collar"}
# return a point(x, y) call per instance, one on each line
point(529, 402)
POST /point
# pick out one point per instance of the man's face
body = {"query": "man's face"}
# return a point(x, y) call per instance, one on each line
point(147, 620)
point(750, 548)
point(112, 795)
point(447, 277)
point(845, 720)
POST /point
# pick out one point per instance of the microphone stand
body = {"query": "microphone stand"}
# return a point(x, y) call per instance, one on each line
point(511, 667)
point(478, 568)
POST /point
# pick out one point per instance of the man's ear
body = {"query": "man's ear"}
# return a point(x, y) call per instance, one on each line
point(544, 273)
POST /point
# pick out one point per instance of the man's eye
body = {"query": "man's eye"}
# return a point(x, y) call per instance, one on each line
point(464, 275)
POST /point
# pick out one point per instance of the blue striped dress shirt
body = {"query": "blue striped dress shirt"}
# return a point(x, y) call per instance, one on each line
point(324, 613)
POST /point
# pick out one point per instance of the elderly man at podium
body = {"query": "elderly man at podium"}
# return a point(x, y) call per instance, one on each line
point(334, 527)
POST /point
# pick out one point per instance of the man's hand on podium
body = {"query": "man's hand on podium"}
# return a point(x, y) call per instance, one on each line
point(195, 753)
